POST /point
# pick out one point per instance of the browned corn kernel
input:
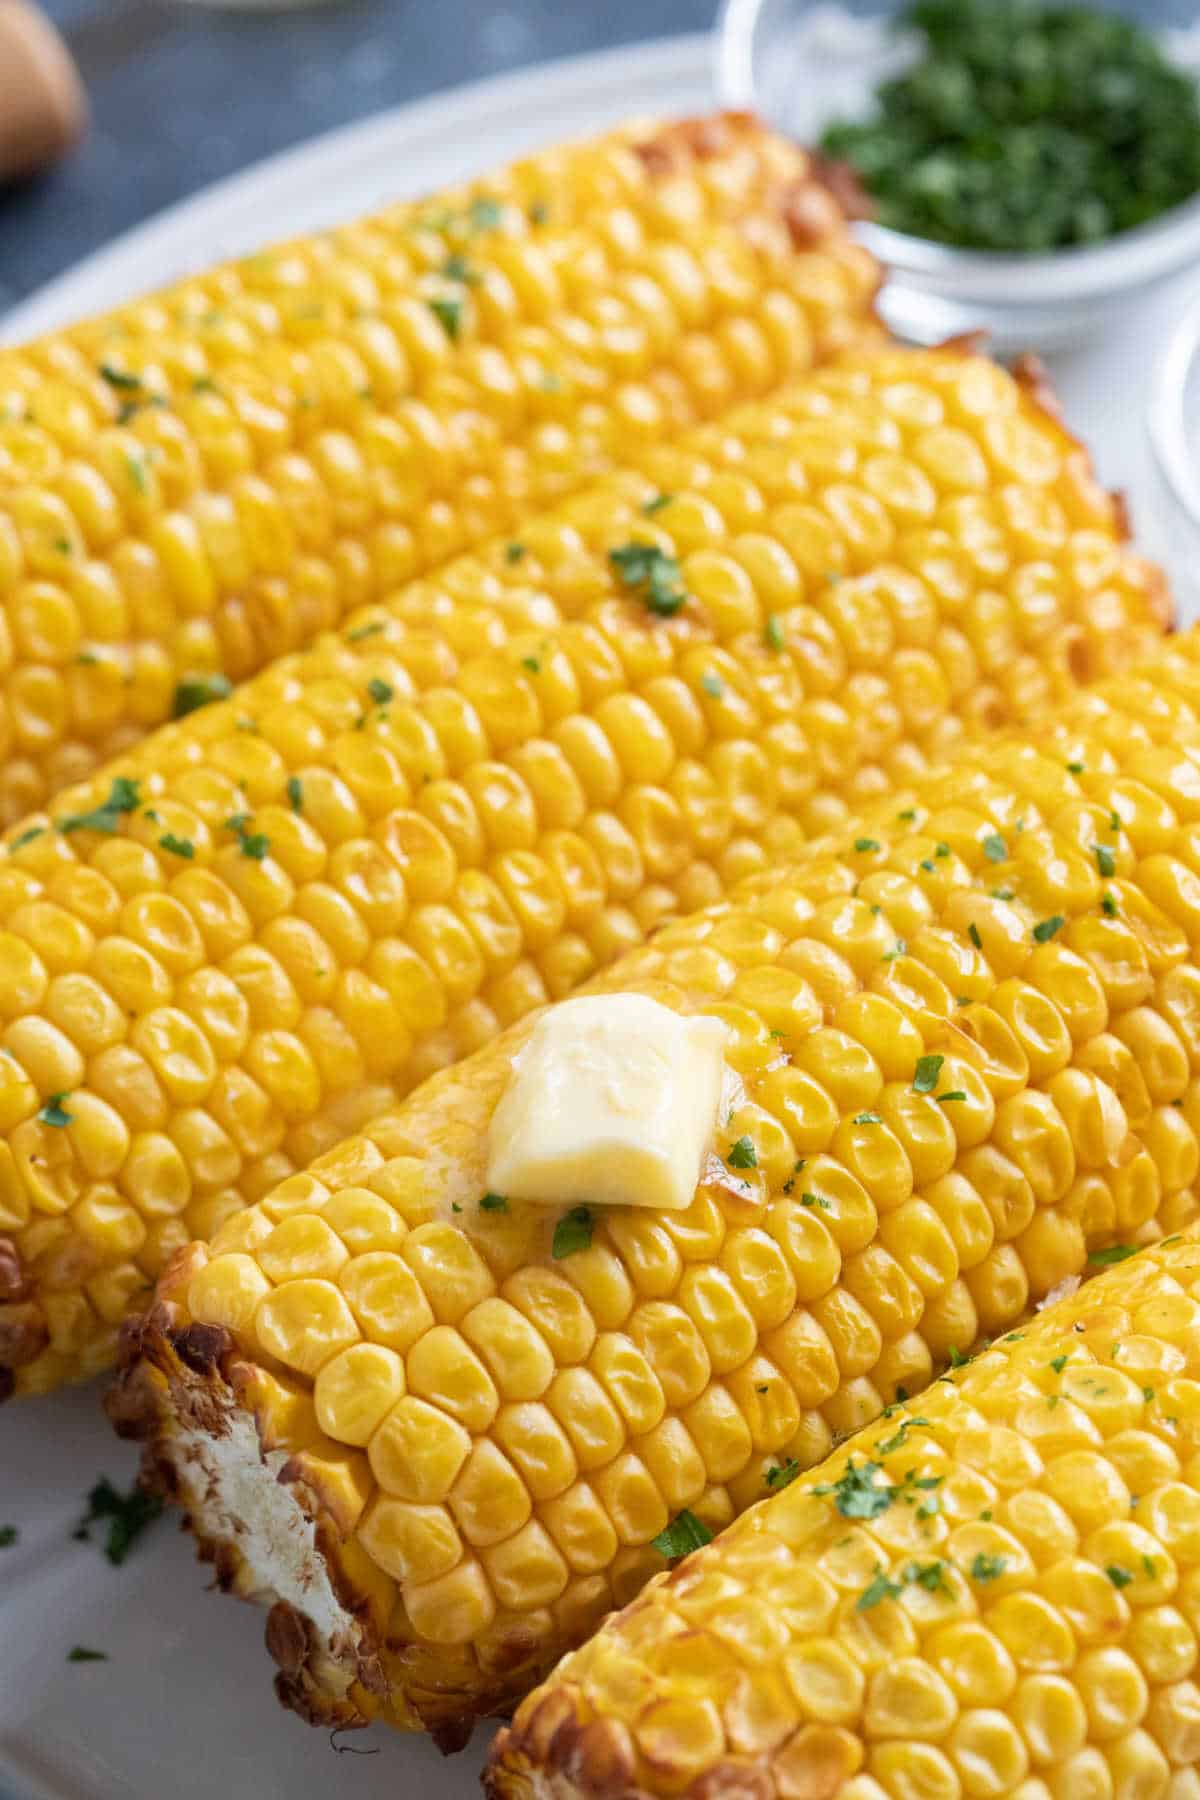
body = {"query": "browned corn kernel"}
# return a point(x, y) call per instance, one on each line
point(923, 1150)
point(207, 478)
point(994, 1593)
point(383, 850)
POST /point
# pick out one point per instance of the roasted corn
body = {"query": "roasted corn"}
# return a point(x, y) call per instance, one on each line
point(996, 1592)
point(205, 479)
point(965, 1044)
point(240, 941)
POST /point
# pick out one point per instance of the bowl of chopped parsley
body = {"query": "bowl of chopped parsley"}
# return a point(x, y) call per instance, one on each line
point(1027, 166)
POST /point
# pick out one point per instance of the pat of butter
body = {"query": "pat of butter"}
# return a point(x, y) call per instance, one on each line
point(612, 1102)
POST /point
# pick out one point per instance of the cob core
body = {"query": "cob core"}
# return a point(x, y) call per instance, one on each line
point(996, 1592)
point(967, 1038)
point(209, 477)
point(256, 930)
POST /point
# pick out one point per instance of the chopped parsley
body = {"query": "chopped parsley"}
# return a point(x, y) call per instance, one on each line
point(1114, 1253)
point(817, 1200)
point(1108, 905)
point(255, 844)
point(539, 212)
point(54, 1113)
point(955, 1095)
point(124, 796)
point(1119, 1577)
point(493, 1203)
point(120, 379)
point(513, 552)
point(484, 213)
point(712, 684)
point(925, 1076)
point(987, 1568)
point(137, 472)
point(1058, 1364)
point(448, 314)
point(295, 793)
point(79, 1653)
point(880, 1587)
point(457, 268)
point(26, 837)
point(742, 1155)
point(899, 948)
point(907, 815)
point(973, 934)
point(371, 629)
point(127, 1516)
point(380, 691)
point(868, 1118)
point(1106, 859)
point(656, 504)
point(773, 632)
point(572, 1232)
point(864, 844)
point(177, 846)
point(856, 1494)
point(994, 848)
point(647, 567)
point(783, 1474)
point(684, 1534)
point(942, 850)
point(8, 1536)
point(1045, 929)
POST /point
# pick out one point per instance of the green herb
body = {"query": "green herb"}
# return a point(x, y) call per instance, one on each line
point(684, 1534)
point(513, 552)
point(80, 1654)
point(123, 797)
point(973, 934)
point(539, 212)
point(137, 472)
point(295, 793)
point(957, 1359)
point(204, 384)
point(1058, 1364)
point(484, 214)
point(1148, 1567)
point(773, 633)
point(817, 1200)
point(994, 848)
point(63, 546)
point(127, 1517)
point(647, 567)
point(380, 691)
point(908, 814)
point(925, 1077)
point(26, 837)
point(120, 378)
point(1115, 1253)
point(371, 629)
point(572, 1232)
point(856, 1494)
point(1108, 905)
point(454, 1206)
point(1026, 126)
point(868, 1118)
point(1106, 859)
point(783, 1474)
point(898, 1440)
point(177, 846)
point(987, 1568)
point(742, 1155)
point(448, 314)
point(712, 684)
point(881, 1587)
point(931, 1576)
point(493, 1203)
point(899, 948)
point(1119, 1577)
point(457, 268)
point(1075, 768)
point(8, 1536)
point(1047, 928)
point(1147, 1394)
point(927, 865)
point(255, 844)
point(946, 1099)
point(656, 504)
point(199, 690)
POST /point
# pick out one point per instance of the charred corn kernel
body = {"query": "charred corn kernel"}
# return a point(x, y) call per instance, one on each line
point(237, 945)
point(212, 475)
point(1024, 1660)
point(598, 1374)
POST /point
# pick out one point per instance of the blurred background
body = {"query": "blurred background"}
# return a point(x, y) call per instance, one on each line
point(182, 94)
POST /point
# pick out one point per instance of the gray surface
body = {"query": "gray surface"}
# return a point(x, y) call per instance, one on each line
point(182, 94)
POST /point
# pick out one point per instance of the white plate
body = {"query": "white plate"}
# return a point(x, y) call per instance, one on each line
point(183, 1705)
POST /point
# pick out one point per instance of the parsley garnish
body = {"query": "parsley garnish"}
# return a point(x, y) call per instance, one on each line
point(973, 934)
point(908, 814)
point(925, 1077)
point(656, 504)
point(295, 793)
point(773, 632)
point(987, 1568)
point(484, 213)
point(646, 566)
point(513, 552)
point(712, 684)
point(177, 846)
point(448, 313)
point(684, 1534)
point(254, 844)
point(80, 1654)
point(8, 1536)
point(946, 1099)
point(817, 1200)
point(26, 837)
point(742, 1155)
point(1108, 905)
point(123, 797)
point(54, 1113)
point(868, 1118)
point(493, 1203)
point(994, 847)
point(882, 1587)
point(572, 1232)
point(457, 268)
point(371, 629)
point(380, 691)
point(783, 1474)
point(1119, 1577)
point(1046, 928)
point(119, 378)
point(1115, 1253)
point(856, 1493)
point(864, 844)
point(1106, 859)
point(128, 1516)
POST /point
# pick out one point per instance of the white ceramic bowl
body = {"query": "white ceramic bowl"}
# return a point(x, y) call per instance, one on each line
point(803, 65)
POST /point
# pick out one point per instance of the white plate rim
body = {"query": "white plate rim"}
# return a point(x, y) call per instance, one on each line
point(227, 216)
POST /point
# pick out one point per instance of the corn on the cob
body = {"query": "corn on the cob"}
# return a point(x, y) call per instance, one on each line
point(290, 907)
point(997, 1592)
point(969, 1040)
point(205, 479)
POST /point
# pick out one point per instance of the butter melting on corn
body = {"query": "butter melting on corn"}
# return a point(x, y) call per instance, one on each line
point(612, 1102)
